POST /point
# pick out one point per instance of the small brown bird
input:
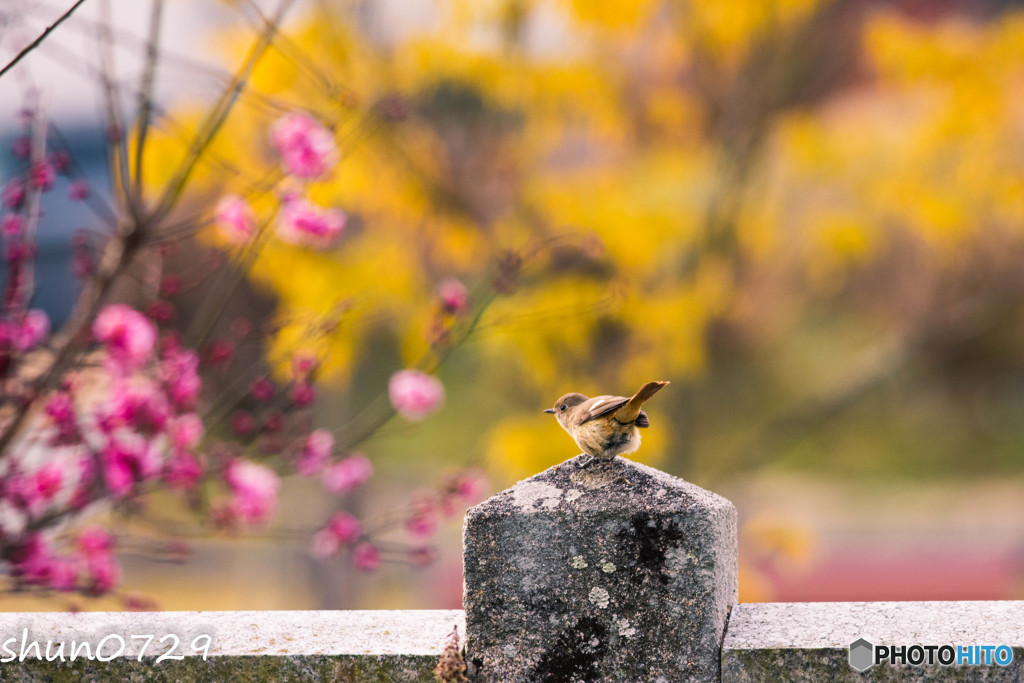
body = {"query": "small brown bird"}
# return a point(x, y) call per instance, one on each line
point(605, 426)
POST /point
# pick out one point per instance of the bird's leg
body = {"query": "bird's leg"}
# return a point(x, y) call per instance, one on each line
point(590, 460)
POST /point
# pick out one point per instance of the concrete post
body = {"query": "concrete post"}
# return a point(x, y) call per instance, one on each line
point(610, 572)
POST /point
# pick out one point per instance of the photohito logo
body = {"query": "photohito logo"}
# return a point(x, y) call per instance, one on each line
point(864, 655)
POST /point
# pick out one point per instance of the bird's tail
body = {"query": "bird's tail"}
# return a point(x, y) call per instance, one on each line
point(631, 409)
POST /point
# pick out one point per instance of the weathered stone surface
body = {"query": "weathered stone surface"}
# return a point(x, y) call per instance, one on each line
point(357, 646)
point(810, 641)
point(610, 572)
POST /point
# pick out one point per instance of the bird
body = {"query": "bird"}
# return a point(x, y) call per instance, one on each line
point(605, 426)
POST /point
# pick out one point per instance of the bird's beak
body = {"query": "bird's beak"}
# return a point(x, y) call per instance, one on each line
point(550, 410)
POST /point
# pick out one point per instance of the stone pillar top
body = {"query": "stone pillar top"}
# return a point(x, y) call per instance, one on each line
point(603, 487)
point(608, 571)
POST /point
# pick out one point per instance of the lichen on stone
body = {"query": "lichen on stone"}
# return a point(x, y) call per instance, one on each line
point(599, 596)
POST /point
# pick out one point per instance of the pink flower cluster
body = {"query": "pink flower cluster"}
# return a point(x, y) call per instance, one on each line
point(91, 567)
point(253, 490)
point(308, 152)
point(24, 332)
point(415, 395)
point(235, 219)
point(127, 336)
point(305, 224)
point(307, 149)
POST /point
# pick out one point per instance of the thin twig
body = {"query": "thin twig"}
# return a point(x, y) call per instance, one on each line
point(146, 92)
point(42, 36)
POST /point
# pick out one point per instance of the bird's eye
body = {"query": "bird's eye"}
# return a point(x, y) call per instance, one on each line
point(562, 407)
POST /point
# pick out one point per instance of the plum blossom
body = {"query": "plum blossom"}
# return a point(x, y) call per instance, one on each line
point(33, 560)
point(47, 481)
point(344, 527)
point(139, 405)
point(303, 223)
point(307, 149)
point(182, 470)
point(254, 488)
point(366, 556)
point(453, 295)
point(129, 459)
point(414, 394)
point(423, 522)
point(186, 430)
point(341, 529)
point(315, 453)
point(303, 394)
point(12, 225)
point(78, 190)
point(103, 570)
point(235, 219)
point(347, 474)
point(14, 194)
point(179, 374)
point(128, 336)
point(43, 175)
point(34, 327)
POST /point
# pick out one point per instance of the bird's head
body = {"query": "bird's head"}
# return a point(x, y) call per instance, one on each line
point(563, 409)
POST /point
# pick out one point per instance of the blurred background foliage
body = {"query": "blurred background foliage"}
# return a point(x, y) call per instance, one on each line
point(807, 214)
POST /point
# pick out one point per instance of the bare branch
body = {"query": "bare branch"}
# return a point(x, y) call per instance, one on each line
point(42, 36)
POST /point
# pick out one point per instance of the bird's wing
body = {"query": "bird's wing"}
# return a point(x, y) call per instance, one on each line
point(599, 406)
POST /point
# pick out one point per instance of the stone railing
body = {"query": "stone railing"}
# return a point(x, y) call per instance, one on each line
point(610, 571)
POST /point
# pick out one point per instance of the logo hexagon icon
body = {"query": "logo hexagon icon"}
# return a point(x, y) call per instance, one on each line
point(862, 655)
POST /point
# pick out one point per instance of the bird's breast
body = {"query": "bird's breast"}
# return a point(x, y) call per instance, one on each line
point(606, 437)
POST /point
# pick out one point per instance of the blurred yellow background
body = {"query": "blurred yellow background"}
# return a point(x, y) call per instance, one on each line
point(807, 214)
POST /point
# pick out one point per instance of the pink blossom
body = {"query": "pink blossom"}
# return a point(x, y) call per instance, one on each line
point(323, 544)
point(35, 325)
point(366, 557)
point(104, 573)
point(242, 423)
point(61, 161)
point(235, 219)
point(347, 474)
point(182, 470)
point(305, 224)
point(48, 480)
point(95, 542)
point(315, 453)
point(14, 194)
point(414, 394)
point(127, 460)
point(303, 364)
point(453, 295)
point(423, 522)
point(344, 527)
point(186, 430)
point(421, 557)
point(78, 190)
point(43, 175)
point(60, 408)
point(13, 225)
point(255, 490)
point(220, 352)
point(128, 335)
point(179, 373)
point(33, 561)
point(262, 389)
point(469, 486)
point(303, 394)
point(138, 405)
point(64, 574)
point(307, 149)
